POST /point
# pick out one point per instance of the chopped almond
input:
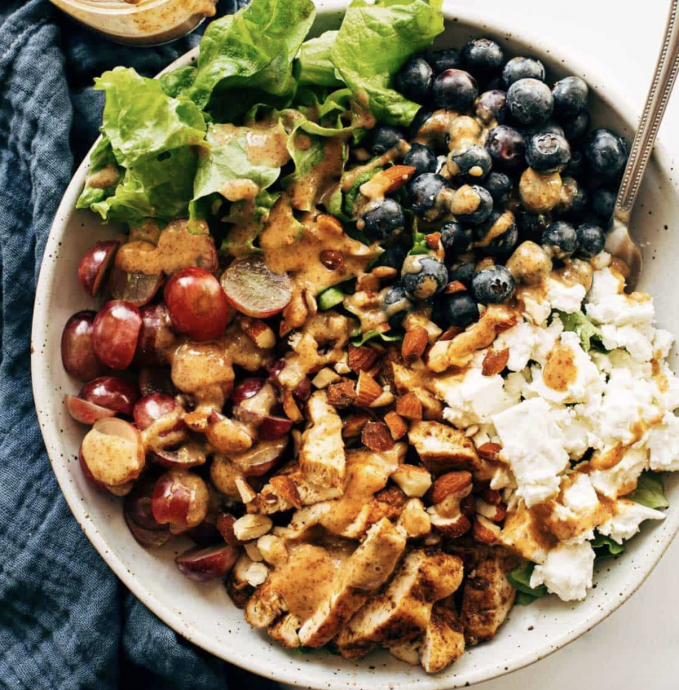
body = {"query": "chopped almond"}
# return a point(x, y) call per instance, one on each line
point(450, 484)
point(376, 436)
point(433, 239)
point(409, 406)
point(367, 389)
point(361, 358)
point(450, 334)
point(342, 394)
point(384, 272)
point(489, 451)
point(484, 531)
point(353, 425)
point(290, 407)
point(397, 426)
point(387, 181)
point(495, 361)
point(259, 332)
point(455, 286)
point(414, 344)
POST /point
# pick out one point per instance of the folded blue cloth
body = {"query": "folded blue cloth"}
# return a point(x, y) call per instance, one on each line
point(66, 622)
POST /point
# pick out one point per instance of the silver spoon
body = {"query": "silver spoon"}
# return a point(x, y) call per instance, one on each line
point(619, 243)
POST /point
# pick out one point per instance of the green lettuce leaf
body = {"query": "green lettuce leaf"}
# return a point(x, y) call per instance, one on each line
point(606, 548)
point(589, 334)
point(350, 197)
point(374, 42)
point(520, 579)
point(142, 121)
point(225, 163)
point(650, 491)
point(252, 49)
point(249, 223)
point(314, 67)
point(179, 81)
point(99, 159)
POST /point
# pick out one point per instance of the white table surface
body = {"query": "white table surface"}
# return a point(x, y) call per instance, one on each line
point(638, 646)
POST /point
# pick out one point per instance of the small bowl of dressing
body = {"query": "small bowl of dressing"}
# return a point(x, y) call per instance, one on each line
point(140, 22)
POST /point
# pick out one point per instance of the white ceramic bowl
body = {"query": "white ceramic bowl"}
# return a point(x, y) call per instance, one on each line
point(203, 613)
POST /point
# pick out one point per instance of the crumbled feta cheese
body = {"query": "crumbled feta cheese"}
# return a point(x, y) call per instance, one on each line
point(567, 572)
point(625, 523)
point(520, 340)
point(636, 340)
point(566, 298)
point(663, 444)
point(532, 445)
point(621, 479)
point(580, 495)
point(576, 428)
point(515, 384)
point(662, 343)
point(536, 311)
point(608, 304)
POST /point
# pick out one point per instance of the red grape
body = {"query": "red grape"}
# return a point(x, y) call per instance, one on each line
point(152, 407)
point(138, 288)
point(111, 392)
point(180, 500)
point(188, 455)
point(197, 304)
point(254, 290)
point(84, 411)
point(155, 380)
point(156, 336)
point(205, 564)
point(246, 389)
point(116, 330)
point(113, 452)
point(77, 349)
point(139, 516)
point(273, 427)
point(261, 458)
point(94, 264)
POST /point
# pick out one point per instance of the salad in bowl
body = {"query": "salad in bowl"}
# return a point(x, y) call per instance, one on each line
point(362, 341)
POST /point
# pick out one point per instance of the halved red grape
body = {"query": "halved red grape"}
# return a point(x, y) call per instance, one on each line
point(155, 380)
point(224, 524)
point(246, 389)
point(156, 336)
point(254, 290)
point(197, 304)
point(152, 407)
point(113, 452)
point(273, 426)
point(94, 264)
point(138, 288)
point(189, 455)
point(111, 392)
point(205, 564)
point(261, 458)
point(180, 499)
point(84, 411)
point(77, 349)
point(116, 330)
point(139, 516)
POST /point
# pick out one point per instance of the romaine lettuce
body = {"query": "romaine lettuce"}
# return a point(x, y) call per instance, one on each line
point(314, 67)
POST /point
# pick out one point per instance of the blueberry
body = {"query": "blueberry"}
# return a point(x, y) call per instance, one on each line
point(570, 97)
point(530, 101)
point(383, 220)
point(493, 285)
point(415, 79)
point(384, 139)
point(548, 153)
point(424, 276)
point(418, 121)
point(489, 105)
point(532, 225)
point(482, 57)
point(393, 256)
point(422, 158)
point(507, 148)
point(475, 162)
point(455, 238)
point(441, 60)
point(468, 209)
point(396, 305)
point(606, 153)
point(464, 273)
point(502, 245)
point(603, 202)
point(577, 127)
point(499, 185)
point(455, 89)
point(591, 239)
point(549, 127)
point(560, 240)
point(459, 309)
point(575, 165)
point(522, 68)
point(424, 191)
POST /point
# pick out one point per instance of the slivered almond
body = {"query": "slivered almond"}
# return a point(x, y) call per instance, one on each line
point(367, 389)
point(387, 181)
point(494, 362)
point(325, 377)
point(259, 332)
point(484, 531)
point(342, 394)
point(409, 406)
point(361, 358)
point(508, 323)
point(286, 489)
point(414, 344)
point(397, 425)
point(433, 239)
point(353, 425)
point(455, 286)
point(450, 334)
point(332, 259)
point(247, 493)
point(384, 272)
point(489, 451)
point(224, 525)
point(290, 407)
point(450, 484)
point(376, 436)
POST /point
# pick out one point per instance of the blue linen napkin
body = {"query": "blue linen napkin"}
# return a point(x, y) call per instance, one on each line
point(66, 622)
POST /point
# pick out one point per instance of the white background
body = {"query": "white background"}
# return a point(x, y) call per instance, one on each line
point(637, 648)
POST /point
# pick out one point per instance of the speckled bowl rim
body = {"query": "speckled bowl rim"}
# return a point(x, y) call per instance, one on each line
point(318, 676)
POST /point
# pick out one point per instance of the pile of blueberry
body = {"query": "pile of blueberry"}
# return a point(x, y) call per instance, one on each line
point(515, 162)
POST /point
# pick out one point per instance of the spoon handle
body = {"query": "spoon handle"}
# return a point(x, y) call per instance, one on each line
point(658, 95)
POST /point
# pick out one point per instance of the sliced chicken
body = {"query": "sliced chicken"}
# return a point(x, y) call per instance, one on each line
point(524, 534)
point(365, 571)
point(443, 448)
point(286, 631)
point(403, 610)
point(407, 380)
point(443, 642)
